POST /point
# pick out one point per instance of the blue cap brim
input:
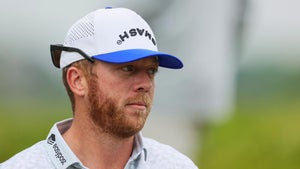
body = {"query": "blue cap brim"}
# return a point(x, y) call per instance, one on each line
point(130, 55)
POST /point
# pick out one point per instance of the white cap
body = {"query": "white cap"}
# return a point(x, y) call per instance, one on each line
point(114, 35)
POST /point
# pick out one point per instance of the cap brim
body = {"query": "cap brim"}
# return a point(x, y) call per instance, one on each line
point(130, 55)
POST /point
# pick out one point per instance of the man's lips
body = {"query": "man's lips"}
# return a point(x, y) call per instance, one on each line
point(141, 102)
point(138, 105)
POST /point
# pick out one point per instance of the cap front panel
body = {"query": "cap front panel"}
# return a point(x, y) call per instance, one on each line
point(122, 29)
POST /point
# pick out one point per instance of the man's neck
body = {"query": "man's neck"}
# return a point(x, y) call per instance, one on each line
point(96, 149)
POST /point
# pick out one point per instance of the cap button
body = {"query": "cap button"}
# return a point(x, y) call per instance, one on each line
point(108, 7)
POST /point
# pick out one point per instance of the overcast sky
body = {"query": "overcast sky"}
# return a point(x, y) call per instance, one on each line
point(271, 23)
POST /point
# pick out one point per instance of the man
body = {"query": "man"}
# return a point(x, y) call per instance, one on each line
point(109, 60)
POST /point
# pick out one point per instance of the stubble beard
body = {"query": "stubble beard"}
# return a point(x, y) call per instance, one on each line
point(110, 118)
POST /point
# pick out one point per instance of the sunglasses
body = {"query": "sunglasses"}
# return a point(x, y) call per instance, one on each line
point(58, 48)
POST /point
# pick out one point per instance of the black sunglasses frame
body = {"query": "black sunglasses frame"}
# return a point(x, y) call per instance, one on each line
point(58, 48)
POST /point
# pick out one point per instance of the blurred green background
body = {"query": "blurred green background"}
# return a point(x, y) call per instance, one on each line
point(262, 133)
point(241, 63)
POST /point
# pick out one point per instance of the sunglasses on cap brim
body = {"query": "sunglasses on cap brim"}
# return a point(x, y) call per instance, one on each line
point(58, 48)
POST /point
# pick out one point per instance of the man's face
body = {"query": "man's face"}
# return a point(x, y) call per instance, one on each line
point(121, 96)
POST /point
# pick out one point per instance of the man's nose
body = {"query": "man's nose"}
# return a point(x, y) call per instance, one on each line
point(143, 82)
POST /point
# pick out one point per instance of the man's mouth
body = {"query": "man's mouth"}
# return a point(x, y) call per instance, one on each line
point(137, 105)
point(140, 102)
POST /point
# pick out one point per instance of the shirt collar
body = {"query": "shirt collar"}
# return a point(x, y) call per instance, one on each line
point(139, 148)
point(59, 152)
point(63, 157)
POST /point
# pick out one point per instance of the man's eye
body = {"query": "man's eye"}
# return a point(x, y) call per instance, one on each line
point(152, 71)
point(128, 68)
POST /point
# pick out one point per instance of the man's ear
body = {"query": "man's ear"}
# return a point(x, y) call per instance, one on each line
point(76, 81)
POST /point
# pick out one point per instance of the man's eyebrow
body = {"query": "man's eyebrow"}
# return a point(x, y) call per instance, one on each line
point(154, 63)
point(155, 60)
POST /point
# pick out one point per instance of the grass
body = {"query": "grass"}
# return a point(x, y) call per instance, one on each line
point(263, 132)
point(25, 124)
point(258, 141)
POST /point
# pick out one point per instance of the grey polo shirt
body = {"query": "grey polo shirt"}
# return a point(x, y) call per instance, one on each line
point(54, 153)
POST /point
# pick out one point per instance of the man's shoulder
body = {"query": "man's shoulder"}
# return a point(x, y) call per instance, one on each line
point(32, 157)
point(162, 154)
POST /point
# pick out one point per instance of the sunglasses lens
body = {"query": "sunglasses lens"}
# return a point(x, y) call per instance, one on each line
point(55, 55)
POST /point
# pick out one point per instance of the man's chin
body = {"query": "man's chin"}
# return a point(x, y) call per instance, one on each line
point(129, 127)
point(127, 132)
